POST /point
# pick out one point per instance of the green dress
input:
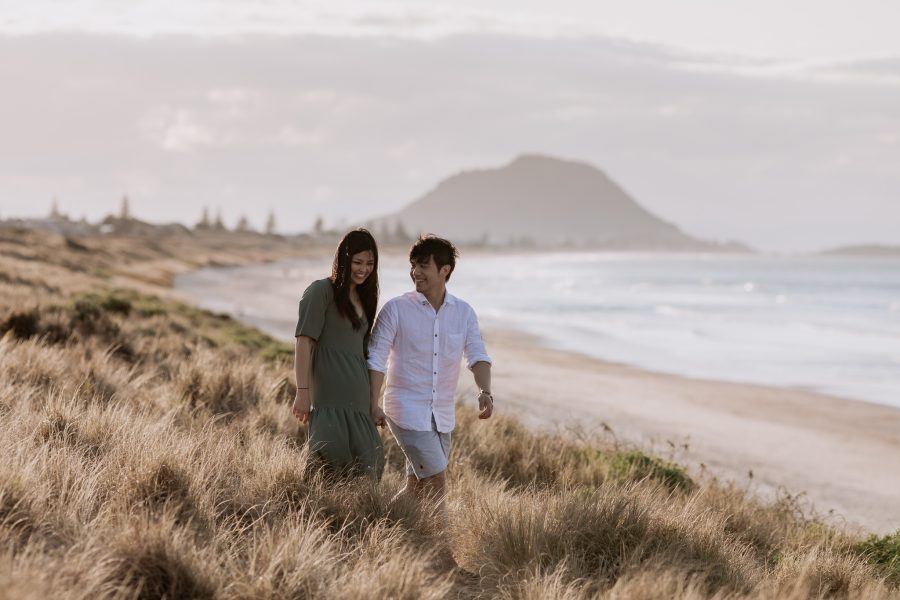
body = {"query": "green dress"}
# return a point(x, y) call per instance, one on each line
point(341, 430)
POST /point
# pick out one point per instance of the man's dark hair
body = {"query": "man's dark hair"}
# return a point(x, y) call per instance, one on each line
point(441, 250)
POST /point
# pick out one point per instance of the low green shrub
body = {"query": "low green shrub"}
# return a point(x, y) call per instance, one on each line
point(115, 301)
point(635, 465)
point(883, 550)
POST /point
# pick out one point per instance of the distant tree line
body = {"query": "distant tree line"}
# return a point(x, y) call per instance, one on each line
point(204, 224)
point(387, 231)
point(243, 224)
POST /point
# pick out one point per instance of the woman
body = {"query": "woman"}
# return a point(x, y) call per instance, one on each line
point(336, 316)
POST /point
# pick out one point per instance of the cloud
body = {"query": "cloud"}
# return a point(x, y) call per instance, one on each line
point(881, 71)
point(235, 101)
point(175, 130)
point(291, 136)
point(884, 65)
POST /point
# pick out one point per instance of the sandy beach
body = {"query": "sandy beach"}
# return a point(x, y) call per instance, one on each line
point(842, 455)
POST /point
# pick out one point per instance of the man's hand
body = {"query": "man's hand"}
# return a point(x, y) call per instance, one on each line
point(301, 406)
point(485, 405)
point(377, 415)
point(376, 382)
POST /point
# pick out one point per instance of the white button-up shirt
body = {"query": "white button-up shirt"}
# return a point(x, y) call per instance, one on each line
point(420, 350)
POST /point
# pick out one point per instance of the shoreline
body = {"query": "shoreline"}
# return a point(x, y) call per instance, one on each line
point(831, 452)
point(548, 344)
point(749, 338)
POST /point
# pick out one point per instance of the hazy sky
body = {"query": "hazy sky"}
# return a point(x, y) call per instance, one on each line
point(770, 122)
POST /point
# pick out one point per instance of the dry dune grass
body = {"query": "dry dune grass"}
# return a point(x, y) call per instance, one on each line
point(148, 452)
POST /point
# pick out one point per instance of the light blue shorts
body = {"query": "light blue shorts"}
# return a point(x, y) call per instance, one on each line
point(427, 452)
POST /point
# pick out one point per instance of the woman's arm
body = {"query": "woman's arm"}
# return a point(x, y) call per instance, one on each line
point(302, 360)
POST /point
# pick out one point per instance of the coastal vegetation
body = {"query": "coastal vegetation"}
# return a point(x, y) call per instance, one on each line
point(149, 452)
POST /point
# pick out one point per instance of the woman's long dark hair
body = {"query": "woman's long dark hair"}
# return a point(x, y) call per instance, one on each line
point(356, 241)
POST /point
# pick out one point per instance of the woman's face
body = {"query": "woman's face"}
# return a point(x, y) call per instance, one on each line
point(361, 266)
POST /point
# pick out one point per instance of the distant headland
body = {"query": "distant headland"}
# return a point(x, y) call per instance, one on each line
point(542, 202)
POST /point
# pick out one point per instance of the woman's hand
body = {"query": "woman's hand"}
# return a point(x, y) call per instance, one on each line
point(377, 415)
point(301, 405)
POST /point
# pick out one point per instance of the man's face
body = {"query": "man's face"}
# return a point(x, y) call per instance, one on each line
point(426, 275)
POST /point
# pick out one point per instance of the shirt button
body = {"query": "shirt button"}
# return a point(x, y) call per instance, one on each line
point(435, 335)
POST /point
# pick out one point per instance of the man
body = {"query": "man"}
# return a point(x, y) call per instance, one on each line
point(425, 334)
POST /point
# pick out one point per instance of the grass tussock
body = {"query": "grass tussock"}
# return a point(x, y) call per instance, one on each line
point(149, 452)
point(884, 551)
point(634, 464)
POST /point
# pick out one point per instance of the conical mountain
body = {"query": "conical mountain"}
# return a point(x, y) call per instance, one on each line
point(540, 201)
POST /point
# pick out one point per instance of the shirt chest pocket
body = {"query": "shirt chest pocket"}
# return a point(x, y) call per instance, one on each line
point(452, 346)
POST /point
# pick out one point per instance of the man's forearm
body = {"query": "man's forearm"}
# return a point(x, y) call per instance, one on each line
point(376, 382)
point(482, 372)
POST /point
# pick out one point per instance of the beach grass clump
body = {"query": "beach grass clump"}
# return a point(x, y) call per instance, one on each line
point(205, 384)
point(593, 538)
point(21, 324)
point(523, 457)
point(116, 318)
point(122, 301)
point(223, 329)
point(767, 529)
point(152, 557)
point(18, 521)
point(635, 465)
point(218, 329)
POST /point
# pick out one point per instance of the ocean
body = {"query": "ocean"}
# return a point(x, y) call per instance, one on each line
point(828, 324)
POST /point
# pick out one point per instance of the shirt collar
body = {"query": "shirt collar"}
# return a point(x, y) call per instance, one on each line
point(448, 298)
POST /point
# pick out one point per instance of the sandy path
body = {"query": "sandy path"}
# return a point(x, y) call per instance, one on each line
point(843, 454)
